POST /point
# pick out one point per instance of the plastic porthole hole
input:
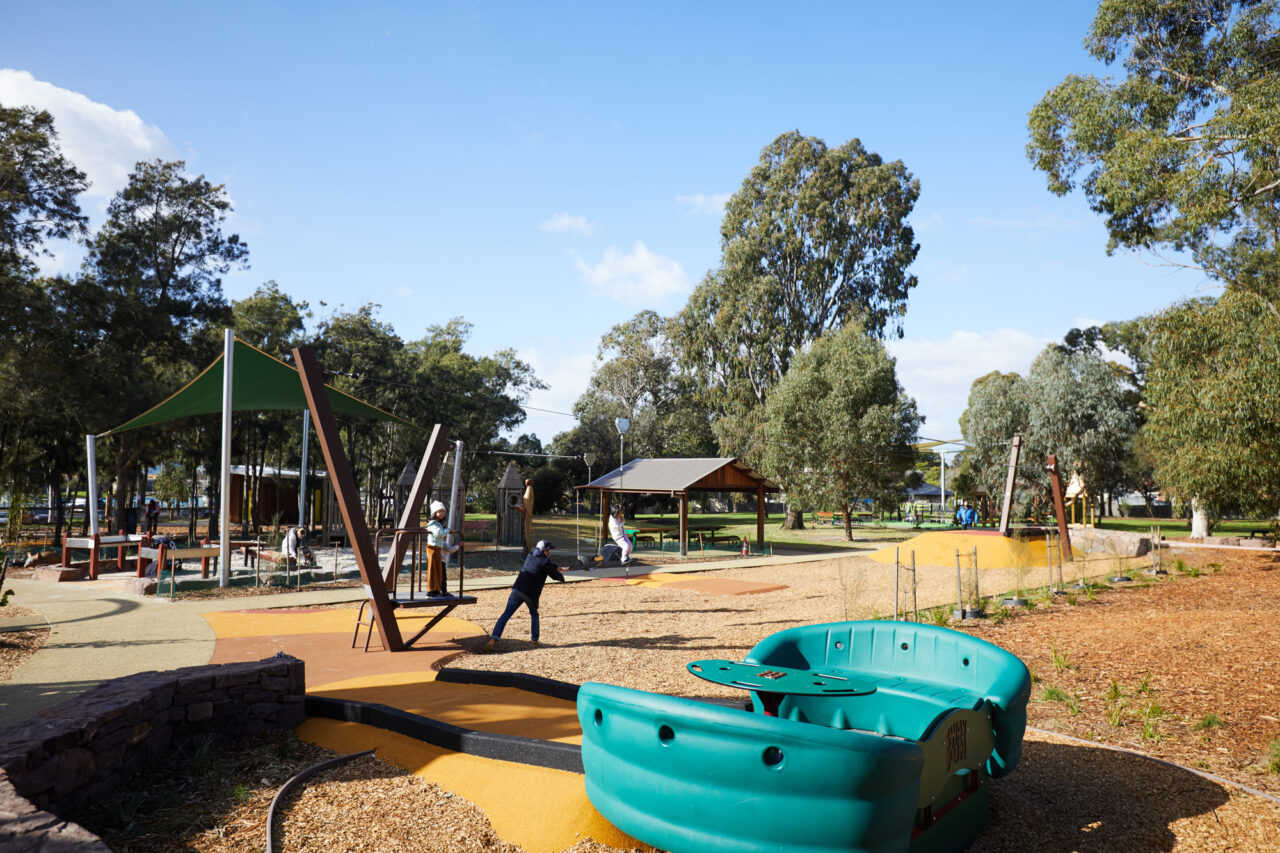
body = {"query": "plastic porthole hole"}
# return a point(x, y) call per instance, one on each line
point(904, 647)
point(772, 756)
point(839, 644)
point(599, 717)
point(666, 734)
point(965, 661)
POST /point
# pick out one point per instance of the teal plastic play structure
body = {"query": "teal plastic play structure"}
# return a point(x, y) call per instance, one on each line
point(901, 763)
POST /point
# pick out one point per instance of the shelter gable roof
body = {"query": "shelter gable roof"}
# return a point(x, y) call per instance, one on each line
point(681, 475)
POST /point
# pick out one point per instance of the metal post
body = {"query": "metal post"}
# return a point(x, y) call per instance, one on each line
point(896, 583)
point(455, 506)
point(302, 472)
point(942, 482)
point(224, 497)
point(91, 500)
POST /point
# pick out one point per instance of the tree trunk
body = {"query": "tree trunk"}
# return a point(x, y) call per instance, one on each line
point(1201, 524)
point(794, 520)
point(848, 522)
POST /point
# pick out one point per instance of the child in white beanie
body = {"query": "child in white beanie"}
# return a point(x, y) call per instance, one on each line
point(437, 546)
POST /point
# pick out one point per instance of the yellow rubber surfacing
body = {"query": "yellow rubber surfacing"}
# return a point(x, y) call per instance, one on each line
point(231, 624)
point(938, 548)
point(501, 710)
point(542, 810)
point(511, 794)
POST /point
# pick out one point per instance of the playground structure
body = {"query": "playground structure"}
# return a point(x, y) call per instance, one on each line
point(379, 584)
point(865, 736)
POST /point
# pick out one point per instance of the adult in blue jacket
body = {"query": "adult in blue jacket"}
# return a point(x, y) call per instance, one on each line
point(527, 590)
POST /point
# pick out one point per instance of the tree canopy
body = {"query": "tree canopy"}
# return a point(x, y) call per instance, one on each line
point(814, 239)
point(38, 186)
point(1214, 418)
point(1183, 152)
point(838, 426)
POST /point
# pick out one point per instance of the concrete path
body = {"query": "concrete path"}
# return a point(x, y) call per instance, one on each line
point(99, 632)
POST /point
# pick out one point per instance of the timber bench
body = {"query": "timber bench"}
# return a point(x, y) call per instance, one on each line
point(478, 528)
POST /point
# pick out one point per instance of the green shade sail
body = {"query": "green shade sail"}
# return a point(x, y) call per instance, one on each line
point(260, 382)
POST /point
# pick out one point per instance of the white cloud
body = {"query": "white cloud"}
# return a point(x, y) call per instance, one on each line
point(939, 372)
point(566, 222)
point(566, 373)
point(636, 277)
point(101, 141)
point(400, 291)
point(699, 203)
point(1044, 222)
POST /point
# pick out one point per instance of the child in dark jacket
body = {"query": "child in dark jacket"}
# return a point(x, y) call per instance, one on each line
point(527, 589)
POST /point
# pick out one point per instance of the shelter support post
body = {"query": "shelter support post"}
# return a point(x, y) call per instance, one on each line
point(684, 524)
point(344, 486)
point(224, 490)
point(91, 500)
point(606, 510)
point(1007, 509)
point(760, 517)
point(1059, 510)
point(302, 470)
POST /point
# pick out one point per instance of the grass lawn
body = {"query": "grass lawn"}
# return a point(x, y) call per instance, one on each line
point(1176, 528)
point(564, 531)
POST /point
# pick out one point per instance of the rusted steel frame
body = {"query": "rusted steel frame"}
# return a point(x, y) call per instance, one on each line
point(1059, 508)
point(344, 487)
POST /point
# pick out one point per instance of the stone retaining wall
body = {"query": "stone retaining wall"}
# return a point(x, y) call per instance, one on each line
point(1119, 543)
point(90, 745)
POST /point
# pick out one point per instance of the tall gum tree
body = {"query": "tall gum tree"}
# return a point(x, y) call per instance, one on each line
point(1182, 154)
point(816, 237)
point(838, 426)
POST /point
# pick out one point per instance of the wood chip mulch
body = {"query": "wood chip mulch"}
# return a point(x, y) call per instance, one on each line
point(17, 646)
point(1195, 658)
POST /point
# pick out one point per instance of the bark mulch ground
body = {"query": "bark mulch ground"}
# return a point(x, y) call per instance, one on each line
point(1194, 659)
point(17, 646)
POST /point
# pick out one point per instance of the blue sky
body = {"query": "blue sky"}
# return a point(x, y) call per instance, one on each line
point(546, 170)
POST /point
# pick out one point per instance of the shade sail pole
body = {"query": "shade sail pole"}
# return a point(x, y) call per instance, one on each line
point(91, 501)
point(455, 508)
point(224, 493)
point(302, 472)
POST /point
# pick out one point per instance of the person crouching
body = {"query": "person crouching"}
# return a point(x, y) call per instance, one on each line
point(437, 547)
point(527, 589)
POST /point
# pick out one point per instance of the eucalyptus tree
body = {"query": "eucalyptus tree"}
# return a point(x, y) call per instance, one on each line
point(1212, 422)
point(838, 427)
point(637, 376)
point(1083, 412)
point(999, 408)
point(815, 238)
point(1180, 154)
